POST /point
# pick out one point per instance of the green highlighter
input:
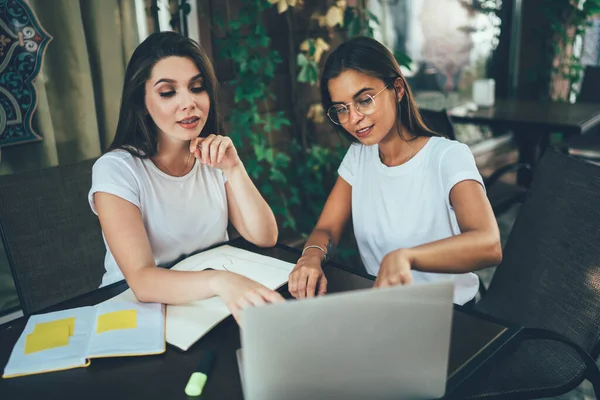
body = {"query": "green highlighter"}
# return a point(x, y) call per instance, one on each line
point(199, 377)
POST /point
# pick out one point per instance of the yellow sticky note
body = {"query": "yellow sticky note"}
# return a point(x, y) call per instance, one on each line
point(124, 319)
point(51, 337)
point(69, 322)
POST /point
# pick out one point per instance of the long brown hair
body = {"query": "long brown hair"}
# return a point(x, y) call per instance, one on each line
point(136, 132)
point(368, 56)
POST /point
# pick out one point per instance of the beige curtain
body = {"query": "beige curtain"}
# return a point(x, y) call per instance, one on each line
point(80, 82)
point(79, 89)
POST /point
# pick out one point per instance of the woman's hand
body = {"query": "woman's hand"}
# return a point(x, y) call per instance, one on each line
point(395, 269)
point(306, 275)
point(215, 151)
point(239, 292)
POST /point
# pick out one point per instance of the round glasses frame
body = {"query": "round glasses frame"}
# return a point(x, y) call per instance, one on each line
point(356, 107)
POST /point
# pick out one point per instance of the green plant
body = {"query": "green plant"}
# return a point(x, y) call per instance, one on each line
point(254, 64)
point(360, 20)
point(308, 60)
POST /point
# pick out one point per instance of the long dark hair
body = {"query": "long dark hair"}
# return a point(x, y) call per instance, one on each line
point(136, 132)
point(367, 55)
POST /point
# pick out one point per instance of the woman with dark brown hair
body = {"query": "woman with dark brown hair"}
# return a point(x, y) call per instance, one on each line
point(417, 200)
point(171, 182)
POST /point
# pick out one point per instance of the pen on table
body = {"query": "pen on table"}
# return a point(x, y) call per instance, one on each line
point(199, 377)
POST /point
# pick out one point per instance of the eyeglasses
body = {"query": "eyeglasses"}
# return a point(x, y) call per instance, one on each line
point(340, 113)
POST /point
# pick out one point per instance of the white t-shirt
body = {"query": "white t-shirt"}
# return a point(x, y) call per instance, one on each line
point(408, 205)
point(181, 214)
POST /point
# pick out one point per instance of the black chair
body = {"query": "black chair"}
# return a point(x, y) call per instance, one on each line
point(53, 240)
point(549, 283)
point(590, 85)
point(587, 146)
point(501, 195)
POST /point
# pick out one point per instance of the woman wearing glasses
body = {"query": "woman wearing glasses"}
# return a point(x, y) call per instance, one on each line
point(418, 205)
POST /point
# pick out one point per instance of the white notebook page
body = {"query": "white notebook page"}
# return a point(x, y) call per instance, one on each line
point(148, 337)
point(187, 323)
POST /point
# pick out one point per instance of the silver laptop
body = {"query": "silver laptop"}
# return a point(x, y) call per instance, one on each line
point(390, 343)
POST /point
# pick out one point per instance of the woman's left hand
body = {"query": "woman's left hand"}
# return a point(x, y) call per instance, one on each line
point(216, 151)
point(395, 269)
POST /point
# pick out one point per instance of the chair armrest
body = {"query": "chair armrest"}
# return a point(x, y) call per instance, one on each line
point(489, 181)
point(585, 146)
point(592, 369)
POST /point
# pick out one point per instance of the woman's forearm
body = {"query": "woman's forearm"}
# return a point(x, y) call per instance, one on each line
point(462, 253)
point(256, 216)
point(159, 285)
point(323, 238)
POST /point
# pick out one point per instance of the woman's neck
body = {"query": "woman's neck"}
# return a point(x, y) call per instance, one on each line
point(396, 149)
point(173, 157)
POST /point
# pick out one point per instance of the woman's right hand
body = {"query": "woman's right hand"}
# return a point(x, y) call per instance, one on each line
point(239, 292)
point(306, 275)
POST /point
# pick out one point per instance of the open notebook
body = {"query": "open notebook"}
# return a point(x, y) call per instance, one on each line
point(68, 339)
point(187, 323)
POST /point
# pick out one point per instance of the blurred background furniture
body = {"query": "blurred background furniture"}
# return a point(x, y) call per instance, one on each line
point(532, 123)
point(52, 238)
point(587, 146)
point(548, 282)
point(502, 195)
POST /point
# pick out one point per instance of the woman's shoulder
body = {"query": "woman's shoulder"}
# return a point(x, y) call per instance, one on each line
point(440, 143)
point(358, 155)
point(118, 160)
point(118, 156)
point(441, 146)
point(357, 150)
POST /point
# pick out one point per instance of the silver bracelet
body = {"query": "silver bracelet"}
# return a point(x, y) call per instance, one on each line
point(314, 246)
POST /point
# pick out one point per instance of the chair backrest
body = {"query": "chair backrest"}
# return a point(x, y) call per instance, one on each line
point(438, 121)
point(52, 238)
point(590, 86)
point(550, 273)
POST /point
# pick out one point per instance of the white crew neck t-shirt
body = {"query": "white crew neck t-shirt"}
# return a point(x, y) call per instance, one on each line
point(181, 214)
point(408, 205)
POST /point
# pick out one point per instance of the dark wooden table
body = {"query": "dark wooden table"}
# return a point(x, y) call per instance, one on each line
point(533, 122)
point(475, 339)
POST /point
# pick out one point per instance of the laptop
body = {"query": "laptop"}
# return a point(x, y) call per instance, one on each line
point(389, 343)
